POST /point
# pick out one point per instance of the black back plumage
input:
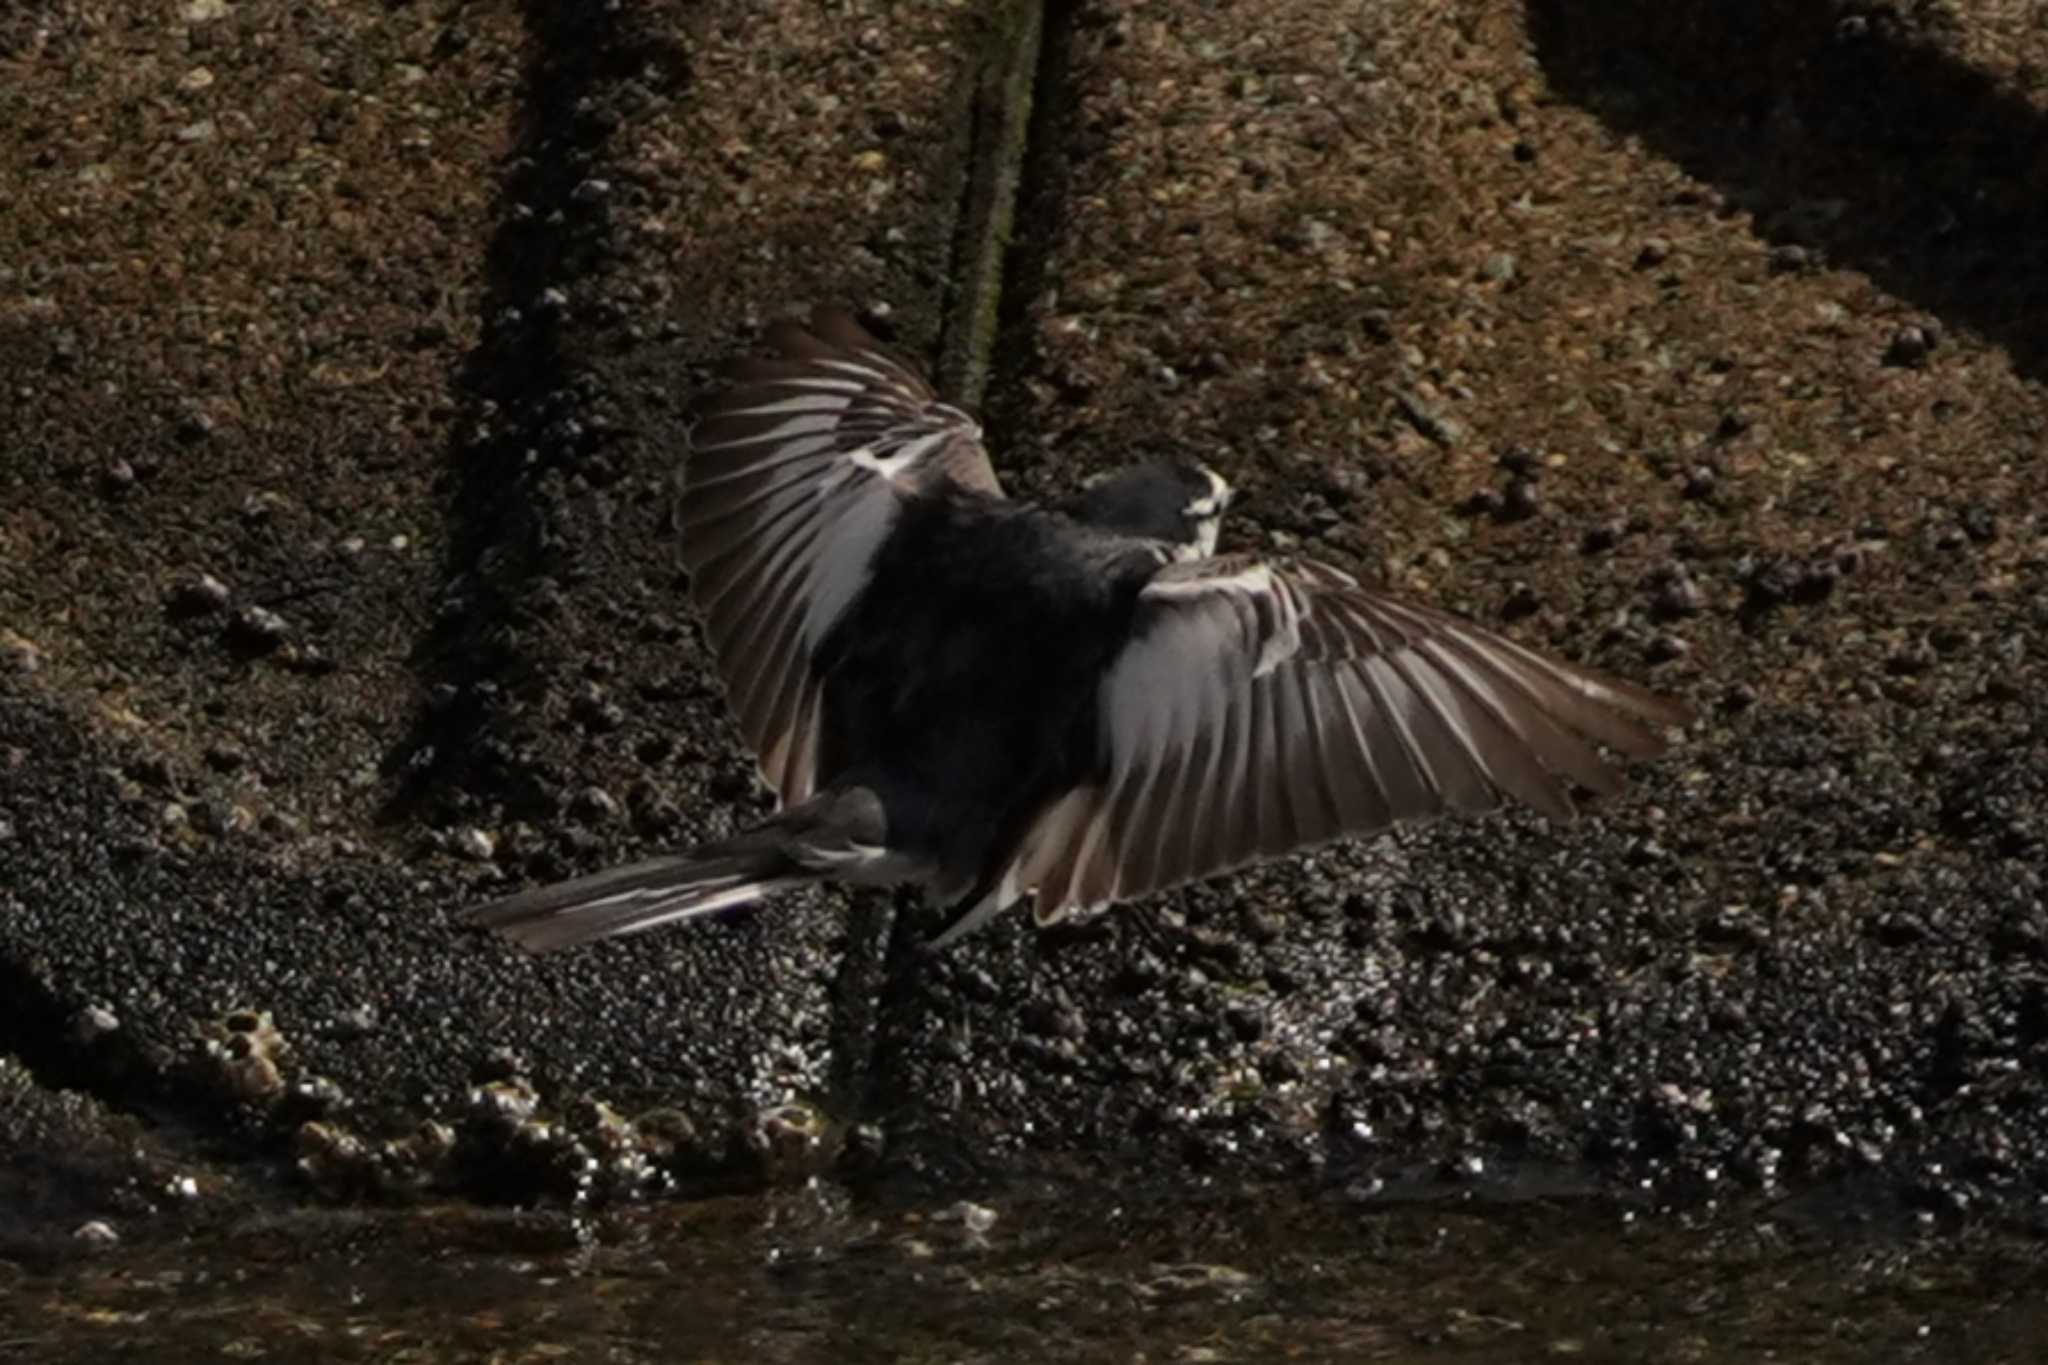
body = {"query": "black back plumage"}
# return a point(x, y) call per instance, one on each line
point(961, 686)
point(1078, 705)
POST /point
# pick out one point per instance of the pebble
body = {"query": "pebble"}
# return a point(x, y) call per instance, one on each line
point(1519, 460)
point(261, 504)
point(1910, 346)
point(1428, 419)
point(356, 1022)
point(1522, 501)
point(975, 1218)
point(1790, 258)
point(475, 844)
point(197, 595)
point(1522, 601)
point(18, 653)
point(93, 1023)
point(259, 626)
point(595, 803)
point(220, 818)
point(1678, 595)
point(1604, 537)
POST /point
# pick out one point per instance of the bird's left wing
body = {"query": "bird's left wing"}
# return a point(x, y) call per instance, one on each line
point(1261, 708)
point(794, 478)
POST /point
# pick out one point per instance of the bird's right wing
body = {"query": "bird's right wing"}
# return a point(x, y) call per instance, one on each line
point(1261, 708)
point(794, 478)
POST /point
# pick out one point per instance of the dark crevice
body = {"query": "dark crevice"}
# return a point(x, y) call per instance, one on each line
point(1051, 150)
point(1843, 131)
point(37, 1026)
point(998, 129)
point(530, 407)
point(1026, 240)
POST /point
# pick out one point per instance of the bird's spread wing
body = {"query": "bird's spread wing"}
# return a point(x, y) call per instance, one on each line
point(1262, 708)
point(794, 478)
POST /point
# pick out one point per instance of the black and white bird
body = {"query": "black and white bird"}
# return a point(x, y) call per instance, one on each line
point(1078, 704)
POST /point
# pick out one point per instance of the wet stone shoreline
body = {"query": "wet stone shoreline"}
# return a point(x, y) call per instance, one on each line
point(347, 355)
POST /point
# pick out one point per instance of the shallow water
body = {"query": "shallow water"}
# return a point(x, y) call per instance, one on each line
point(1052, 1274)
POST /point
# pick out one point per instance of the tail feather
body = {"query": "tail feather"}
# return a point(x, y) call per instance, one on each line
point(813, 840)
point(631, 899)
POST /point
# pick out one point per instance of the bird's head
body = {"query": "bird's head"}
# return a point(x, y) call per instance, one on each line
point(1176, 502)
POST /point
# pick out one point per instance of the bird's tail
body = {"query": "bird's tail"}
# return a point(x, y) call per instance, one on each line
point(804, 843)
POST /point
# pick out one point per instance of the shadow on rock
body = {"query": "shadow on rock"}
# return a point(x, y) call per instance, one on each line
point(1850, 137)
point(535, 428)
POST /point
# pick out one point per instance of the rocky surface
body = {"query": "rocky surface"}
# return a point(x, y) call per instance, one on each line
point(345, 360)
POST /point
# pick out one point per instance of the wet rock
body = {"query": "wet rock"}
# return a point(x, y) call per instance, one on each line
point(93, 1023)
point(790, 1139)
point(318, 1096)
point(97, 1233)
point(240, 1057)
point(504, 1104)
point(332, 1159)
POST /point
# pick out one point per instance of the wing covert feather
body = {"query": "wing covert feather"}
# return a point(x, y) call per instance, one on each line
point(1262, 708)
point(794, 477)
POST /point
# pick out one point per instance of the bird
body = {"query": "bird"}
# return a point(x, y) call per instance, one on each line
point(1076, 702)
